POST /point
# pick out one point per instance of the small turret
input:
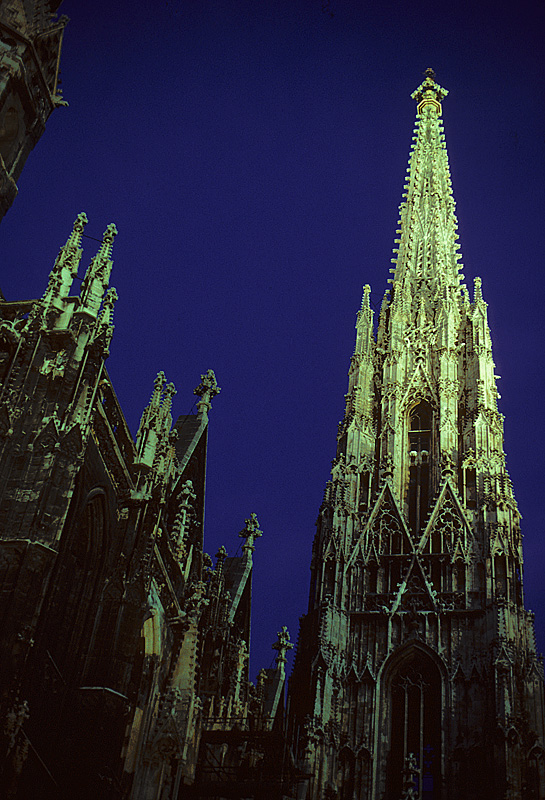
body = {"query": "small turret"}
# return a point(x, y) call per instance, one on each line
point(97, 276)
point(156, 422)
point(282, 646)
point(65, 268)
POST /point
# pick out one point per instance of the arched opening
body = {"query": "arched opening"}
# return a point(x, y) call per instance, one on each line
point(420, 426)
point(80, 572)
point(414, 698)
point(500, 575)
point(459, 576)
point(328, 585)
point(141, 689)
point(518, 583)
point(372, 577)
point(347, 774)
point(535, 776)
point(470, 487)
point(356, 588)
point(365, 491)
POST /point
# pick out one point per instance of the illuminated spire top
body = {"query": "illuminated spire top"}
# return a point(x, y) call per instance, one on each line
point(426, 262)
point(429, 93)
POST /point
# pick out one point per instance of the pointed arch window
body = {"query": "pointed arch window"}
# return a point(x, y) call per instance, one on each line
point(75, 599)
point(372, 577)
point(328, 585)
point(357, 586)
point(365, 491)
point(415, 725)
point(420, 428)
point(500, 575)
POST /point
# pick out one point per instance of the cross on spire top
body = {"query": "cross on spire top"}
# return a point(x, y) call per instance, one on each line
point(282, 644)
point(250, 532)
point(206, 390)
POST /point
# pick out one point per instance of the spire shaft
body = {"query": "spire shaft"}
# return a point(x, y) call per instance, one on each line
point(426, 263)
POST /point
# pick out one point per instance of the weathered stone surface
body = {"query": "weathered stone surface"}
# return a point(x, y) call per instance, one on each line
point(29, 83)
point(123, 652)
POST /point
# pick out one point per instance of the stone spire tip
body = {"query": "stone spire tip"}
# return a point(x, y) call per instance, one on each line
point(282, 645)
point(429, 93)
point(250, 533)
point(206, 390)
point(77, 230)
point(105, 250)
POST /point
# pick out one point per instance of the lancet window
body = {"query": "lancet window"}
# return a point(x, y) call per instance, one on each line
point(81, 563)
point(356, 586)
point(420, 443)
point(500, 575)
point(459, 575)
point(372, 577)
point(328, 585)
point(365, 491)
point(415, 724)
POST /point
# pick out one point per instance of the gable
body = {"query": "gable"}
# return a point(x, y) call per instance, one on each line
point(448, 530)
point(385, 532)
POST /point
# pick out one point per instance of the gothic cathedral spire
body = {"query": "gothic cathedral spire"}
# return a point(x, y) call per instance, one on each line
point(416, 667)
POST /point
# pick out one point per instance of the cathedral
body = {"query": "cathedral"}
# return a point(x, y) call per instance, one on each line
point(416, 673)
point(124, 645)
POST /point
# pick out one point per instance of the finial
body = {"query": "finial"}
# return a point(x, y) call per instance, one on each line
point(221, 555)
point(478, 290)
point(447, 465)
point(158, 384)
point(170, 391)
point(187, 494)
point(97, 276)
point(365, 298)
point(282, 644)
point(108, 304)
point(429, 93)
point(105, 249)
point(386, 466)
point(250, 532)
point(77, 229)
point(206, 390)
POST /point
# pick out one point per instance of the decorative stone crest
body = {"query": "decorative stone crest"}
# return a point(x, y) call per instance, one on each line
point(250, 533)
point(206, 390)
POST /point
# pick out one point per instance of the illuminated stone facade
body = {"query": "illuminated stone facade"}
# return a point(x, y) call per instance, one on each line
point(416, 672)
point(123, 648)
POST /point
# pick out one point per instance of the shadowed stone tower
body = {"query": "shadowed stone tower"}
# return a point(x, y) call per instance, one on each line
point(30, 48)
point(416, 673)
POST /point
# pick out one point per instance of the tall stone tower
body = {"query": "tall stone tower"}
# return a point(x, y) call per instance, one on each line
point(416, 673)
point(30, 48)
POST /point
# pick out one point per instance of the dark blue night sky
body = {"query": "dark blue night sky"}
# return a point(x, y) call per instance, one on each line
point(252, 156)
